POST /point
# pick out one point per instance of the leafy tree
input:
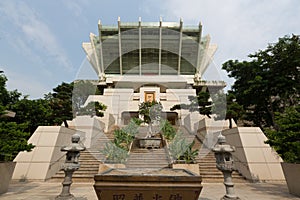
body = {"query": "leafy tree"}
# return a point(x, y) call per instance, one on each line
point(199, 103)
point(4, 94)
point(269, 82)
point(7, 97)
point(286, 140)
point(2, 111)
point(61, 103)
point(81, 91)
point(93, 108)
point(226, 107)
point(13, 139)
point(32, 112)
point(149, 110)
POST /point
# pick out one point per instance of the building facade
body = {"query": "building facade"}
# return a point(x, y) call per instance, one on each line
point(142, 61)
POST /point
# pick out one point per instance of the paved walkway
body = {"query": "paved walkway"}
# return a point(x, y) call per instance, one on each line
point(85, 191)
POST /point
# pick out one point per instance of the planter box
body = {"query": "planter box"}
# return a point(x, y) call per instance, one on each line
point(150, 143)
point(147, 184)
point(292, 176)
point(6, 171)
point(106, 166)
point(191, 167)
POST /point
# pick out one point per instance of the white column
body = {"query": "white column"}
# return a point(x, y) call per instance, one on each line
point(159, 48)
point(140, 46)
point(100, 49)
point(120, 46)
point(200, 51)
point(180, 45)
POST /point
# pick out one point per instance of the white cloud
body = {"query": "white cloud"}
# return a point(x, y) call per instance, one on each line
point(74, 6)
point(33, 33)
point(239, 24)
point(27, 85)
point(77, 7)
point(237, 27)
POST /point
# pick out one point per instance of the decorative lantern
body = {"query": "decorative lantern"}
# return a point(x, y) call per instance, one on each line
point(71, 164)
point(224, 162)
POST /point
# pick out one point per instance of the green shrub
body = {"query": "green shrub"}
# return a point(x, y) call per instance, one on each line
point(167, 130)
point(286, 141)
point(190, 155)
point(136, 120)
point(117, 152)
point(13, 139)
point(114, 154)
point(180, 149)
point(123, 137)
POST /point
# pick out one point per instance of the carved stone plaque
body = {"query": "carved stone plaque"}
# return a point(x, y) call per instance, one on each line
point(147, 184)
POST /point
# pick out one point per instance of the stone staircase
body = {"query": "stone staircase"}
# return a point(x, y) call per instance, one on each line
point(147, 158)
point(89, 160)
point(207, 161)
point(207, 166)
point(89, 166)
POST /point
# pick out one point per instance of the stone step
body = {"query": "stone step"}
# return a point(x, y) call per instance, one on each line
point(89, 166)
point(147, 157)
point(207, 164)
point(82, 165)
point(81, 178)
point(142, 162)
point(147, 166)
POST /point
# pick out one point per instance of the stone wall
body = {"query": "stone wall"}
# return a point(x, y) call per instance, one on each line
point(46, 158)
point(254, 159)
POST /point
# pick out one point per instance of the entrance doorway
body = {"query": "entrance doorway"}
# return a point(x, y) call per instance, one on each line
point(127, 115)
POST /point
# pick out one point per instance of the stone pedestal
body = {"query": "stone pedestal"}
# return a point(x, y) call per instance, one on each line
point(153, 143)
point(148, 184)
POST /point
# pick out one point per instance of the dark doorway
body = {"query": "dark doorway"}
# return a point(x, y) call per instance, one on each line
point(127, 115)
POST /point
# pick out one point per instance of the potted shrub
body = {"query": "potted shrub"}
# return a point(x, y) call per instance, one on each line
point(286, 141)
point(12, 140)
point(151, 113)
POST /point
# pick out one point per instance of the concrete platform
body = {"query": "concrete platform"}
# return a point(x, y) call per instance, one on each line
point(85, 191)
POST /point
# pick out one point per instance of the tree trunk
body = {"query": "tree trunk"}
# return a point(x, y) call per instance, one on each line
point(272, 114)
point(66, 124)
point(230, 123)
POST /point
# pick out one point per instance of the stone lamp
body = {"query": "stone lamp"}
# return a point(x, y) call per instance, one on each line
point(224, 161)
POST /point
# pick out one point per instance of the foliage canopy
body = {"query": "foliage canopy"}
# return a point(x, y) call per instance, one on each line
point(268, 89)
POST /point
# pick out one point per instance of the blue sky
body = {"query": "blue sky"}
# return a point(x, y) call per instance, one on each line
point(40, 41)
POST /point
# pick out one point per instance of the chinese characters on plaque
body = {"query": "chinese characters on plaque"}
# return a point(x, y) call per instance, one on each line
point(139, 196)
